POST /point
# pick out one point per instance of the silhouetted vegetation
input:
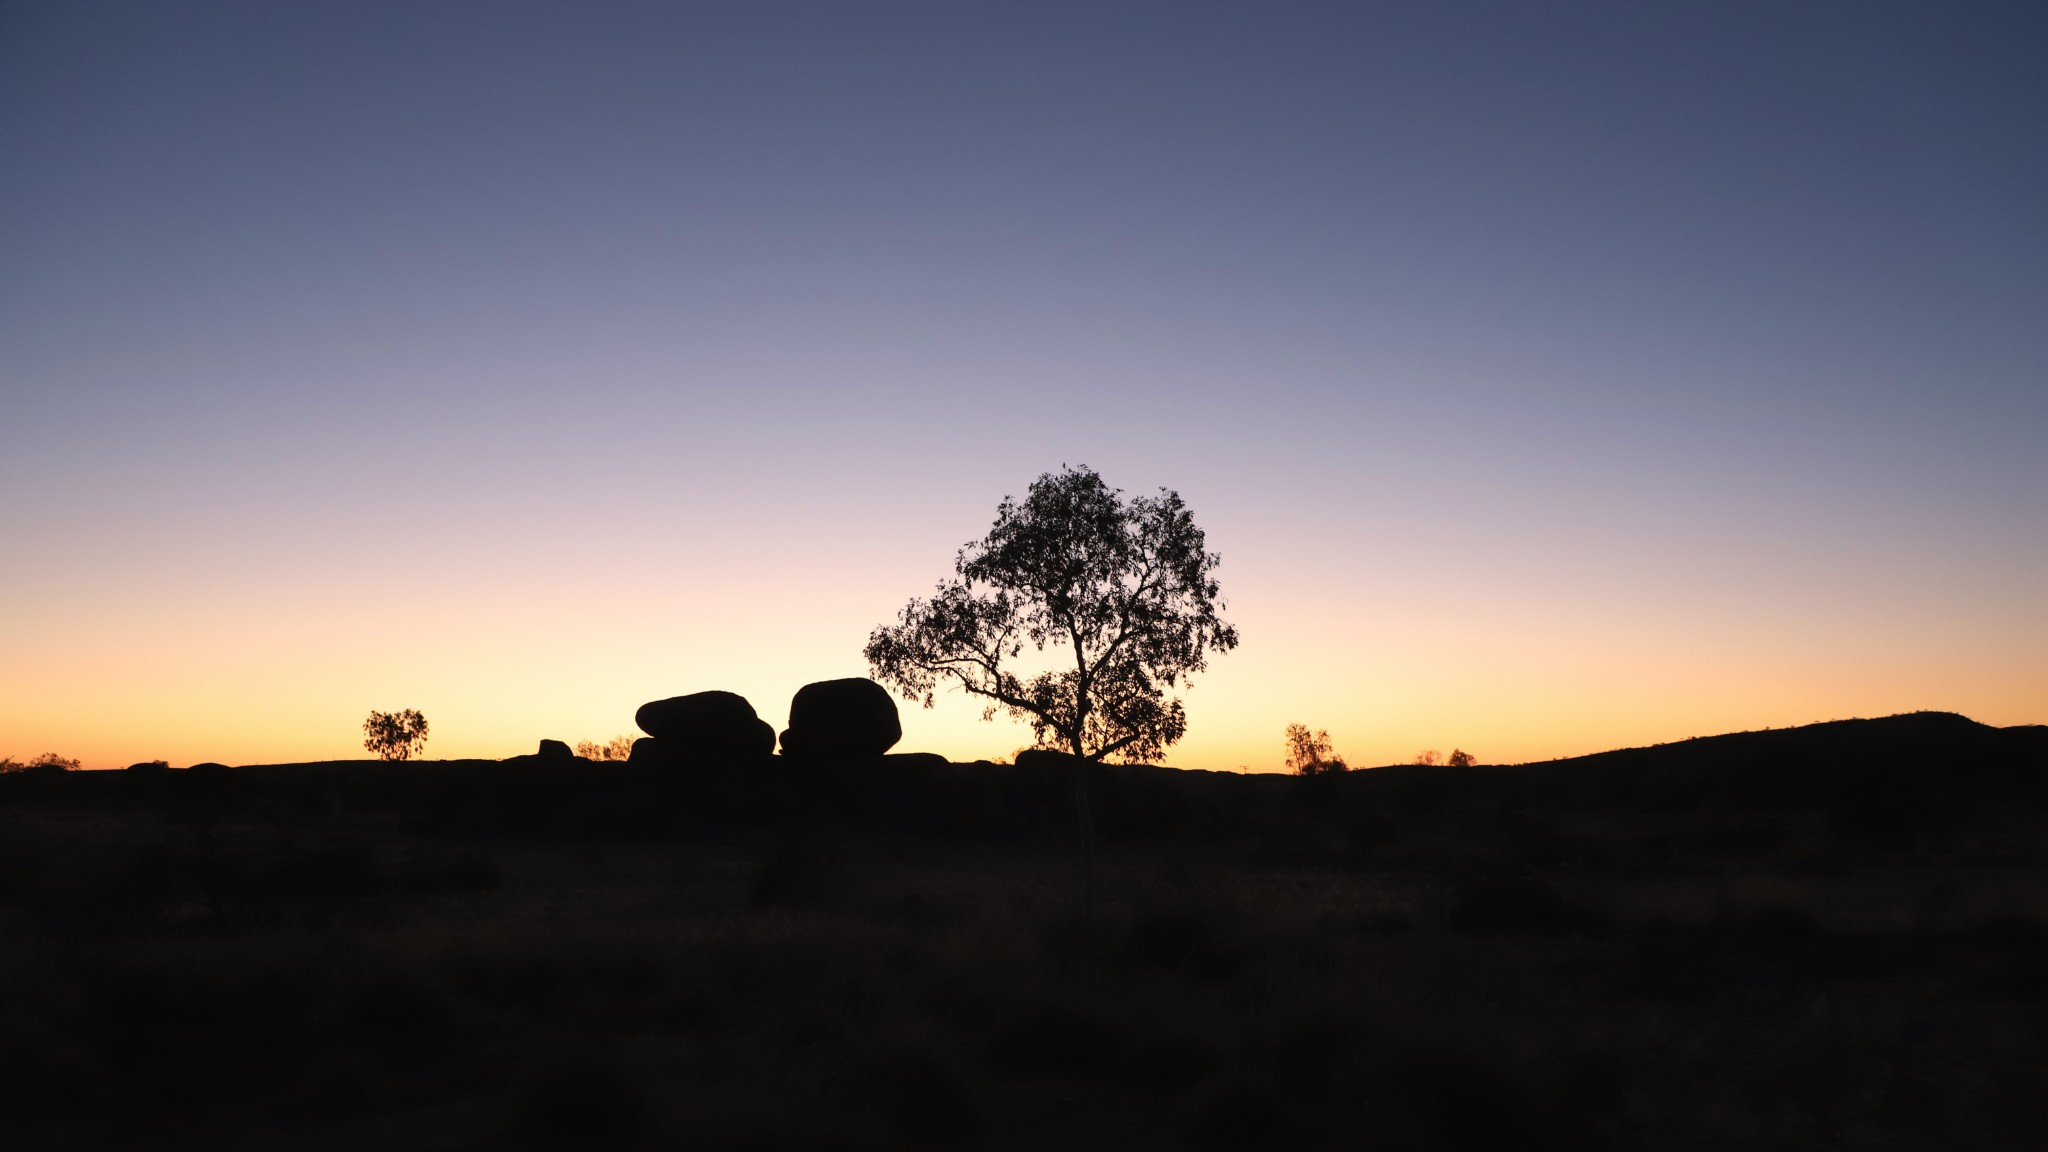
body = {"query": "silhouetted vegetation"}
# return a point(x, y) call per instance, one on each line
point(1835, 935)
point(395, 735)
point(1125, 587)
point(617, 748)
point(1310, 754)
point(47, 762)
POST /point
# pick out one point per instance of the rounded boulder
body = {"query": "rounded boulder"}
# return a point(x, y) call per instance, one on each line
point(841, 720)
point(707, 725)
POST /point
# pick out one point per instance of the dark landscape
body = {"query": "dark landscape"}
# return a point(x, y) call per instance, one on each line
point(1555, 378)
point(1820, 937)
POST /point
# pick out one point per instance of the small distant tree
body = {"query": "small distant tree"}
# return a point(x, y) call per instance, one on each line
point(617, 748)
point(1459, 758)
point(395, 735)
point(1310, 754)
point(1429, 756)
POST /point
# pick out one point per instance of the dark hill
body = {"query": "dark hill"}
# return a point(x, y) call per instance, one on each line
point(1911, 735)
point(1929, 756)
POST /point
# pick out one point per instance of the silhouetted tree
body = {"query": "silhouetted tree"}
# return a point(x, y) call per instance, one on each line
point(1459, 758)
point(1429, 756)
point(395, 735)
point(1310, 754)
point(1124, 585)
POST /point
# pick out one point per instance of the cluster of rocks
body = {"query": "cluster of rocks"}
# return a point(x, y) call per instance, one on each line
point(830, 720)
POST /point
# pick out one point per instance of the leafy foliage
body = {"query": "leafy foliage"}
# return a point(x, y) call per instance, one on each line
point(1460, 759)
point(1310, 754)
point(395, 735)
point(1124, 586)
point(617, 748)
point(47, 762)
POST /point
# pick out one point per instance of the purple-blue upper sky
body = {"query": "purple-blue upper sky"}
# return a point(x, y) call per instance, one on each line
point(1709, 336)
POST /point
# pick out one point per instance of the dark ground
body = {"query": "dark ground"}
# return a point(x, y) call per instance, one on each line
point(1828, 937)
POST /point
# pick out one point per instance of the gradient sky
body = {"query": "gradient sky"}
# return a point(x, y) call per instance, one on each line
point(1551, 378)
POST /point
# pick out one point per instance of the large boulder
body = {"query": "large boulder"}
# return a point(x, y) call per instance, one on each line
point(706, 726)
point(841, 720)
point(555, 752)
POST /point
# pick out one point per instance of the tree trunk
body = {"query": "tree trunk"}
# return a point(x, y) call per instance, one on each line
point(1084, 815)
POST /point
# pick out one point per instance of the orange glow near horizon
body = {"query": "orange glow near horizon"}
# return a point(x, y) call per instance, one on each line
point(241, 676)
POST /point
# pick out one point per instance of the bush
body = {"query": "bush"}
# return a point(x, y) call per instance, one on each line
point(617, 748)
point(47, 762)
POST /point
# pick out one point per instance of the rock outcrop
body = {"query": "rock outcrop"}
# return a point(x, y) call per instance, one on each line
point(841, 720)
point(555, 752)
point(702, 727)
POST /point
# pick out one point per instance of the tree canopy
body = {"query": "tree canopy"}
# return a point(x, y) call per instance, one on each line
point(395, 735)
point(1310, 754)
point(1125, 587)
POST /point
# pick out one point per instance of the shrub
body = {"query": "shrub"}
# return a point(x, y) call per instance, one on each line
point(617, 748)
point(395, 735)
point(47, 762)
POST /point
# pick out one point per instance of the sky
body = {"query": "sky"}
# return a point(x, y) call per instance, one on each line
point(1549, 378)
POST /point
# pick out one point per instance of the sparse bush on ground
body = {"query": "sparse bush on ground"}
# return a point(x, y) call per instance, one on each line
point(47, 762)
point(617, 748)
